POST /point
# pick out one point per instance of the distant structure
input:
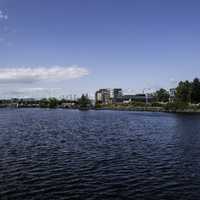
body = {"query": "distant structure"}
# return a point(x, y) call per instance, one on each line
point(128, 98)
point(146, 98)
point(106, 96)
point(116, 95)
point(103, 96)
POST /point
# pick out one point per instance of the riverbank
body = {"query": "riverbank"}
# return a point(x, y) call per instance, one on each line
point(118, 108)
point(151, 109)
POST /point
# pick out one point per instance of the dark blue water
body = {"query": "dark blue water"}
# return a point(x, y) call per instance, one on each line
point(66, 154)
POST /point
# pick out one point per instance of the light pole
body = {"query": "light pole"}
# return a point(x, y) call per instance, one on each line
point(146, 94)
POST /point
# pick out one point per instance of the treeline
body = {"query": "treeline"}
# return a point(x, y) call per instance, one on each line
point(186, 96)
point(82, 102)
point(186, 92)
point(52, 103)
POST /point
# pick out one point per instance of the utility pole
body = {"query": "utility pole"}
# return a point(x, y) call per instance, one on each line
point(146, 94)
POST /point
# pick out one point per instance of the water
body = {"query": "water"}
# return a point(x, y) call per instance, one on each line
point(66, 154)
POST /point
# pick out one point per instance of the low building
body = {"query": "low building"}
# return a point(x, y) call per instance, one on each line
point(146, 98)
point(128, 98)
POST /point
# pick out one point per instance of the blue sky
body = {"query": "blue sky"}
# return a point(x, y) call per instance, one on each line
point(133, 44)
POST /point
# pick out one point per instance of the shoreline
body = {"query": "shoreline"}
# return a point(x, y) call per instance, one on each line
point(133, 109)
point(152, 109)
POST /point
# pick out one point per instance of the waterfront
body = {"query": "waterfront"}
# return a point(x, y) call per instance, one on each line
point(69, 154)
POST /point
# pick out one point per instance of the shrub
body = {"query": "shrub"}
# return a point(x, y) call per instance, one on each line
point(176, 106)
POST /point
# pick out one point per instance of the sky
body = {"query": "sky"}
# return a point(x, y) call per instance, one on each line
point(61, 47)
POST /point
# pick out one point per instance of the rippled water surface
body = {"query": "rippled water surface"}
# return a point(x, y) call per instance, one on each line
point(68, 154)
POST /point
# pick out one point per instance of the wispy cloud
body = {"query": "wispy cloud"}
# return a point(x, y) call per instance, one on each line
point(31, 75)
point(31, 92)
point(3, 16)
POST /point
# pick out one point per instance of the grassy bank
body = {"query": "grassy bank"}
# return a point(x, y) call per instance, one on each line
point(176, 107)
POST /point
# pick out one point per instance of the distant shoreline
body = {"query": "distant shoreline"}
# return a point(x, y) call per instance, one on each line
point(133, 109)
point(152, 109)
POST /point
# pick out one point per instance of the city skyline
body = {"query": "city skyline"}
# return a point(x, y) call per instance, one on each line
point(74, 47)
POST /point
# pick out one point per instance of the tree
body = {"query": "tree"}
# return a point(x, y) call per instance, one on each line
point(195, 93)
point(183, 92)
point(43, 103)
point(53, 102)
point(49, 103)
point(84, 102)
point(162, 95)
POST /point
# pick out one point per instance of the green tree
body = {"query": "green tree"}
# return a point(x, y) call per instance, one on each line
point(195, 93)
point(84, 102)
point(49, 103)
point(53, 102)
point(183, 92)
point(162, 95)
point(43, 103)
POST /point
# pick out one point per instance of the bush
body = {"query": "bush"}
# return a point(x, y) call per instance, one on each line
point(97, 105)
point(176, 106)
point(53, 102)
point(156, 104)
point(43, 103)
point(139, 104)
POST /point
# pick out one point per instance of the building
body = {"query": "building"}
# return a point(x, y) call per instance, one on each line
point(116, 95)
point(103, 96)
point(128, 98)
point(146, 98)
point(106, 96)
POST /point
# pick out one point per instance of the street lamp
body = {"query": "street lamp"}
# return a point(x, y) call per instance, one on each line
point(146, 95)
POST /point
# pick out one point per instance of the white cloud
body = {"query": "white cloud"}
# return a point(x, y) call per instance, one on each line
point(3, 16)
point(31, 75)
point(30, 92)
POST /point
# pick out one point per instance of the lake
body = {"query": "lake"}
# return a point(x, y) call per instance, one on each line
point(91, 155)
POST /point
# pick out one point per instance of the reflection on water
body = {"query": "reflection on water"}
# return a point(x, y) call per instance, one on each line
point(67, 154)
